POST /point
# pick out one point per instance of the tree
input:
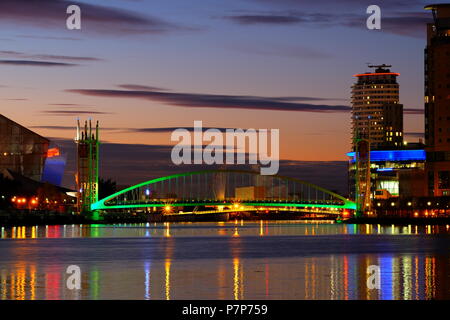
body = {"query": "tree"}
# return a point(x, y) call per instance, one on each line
point(50, 198)
point(8, 189)
point(106, 188)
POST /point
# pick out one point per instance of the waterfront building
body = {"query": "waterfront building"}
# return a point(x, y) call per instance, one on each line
point(55, 165)
point(437, 102)
point(251, 192)
point(377, 114)
point(28, 154)
point(22, 150)
point(391, 171)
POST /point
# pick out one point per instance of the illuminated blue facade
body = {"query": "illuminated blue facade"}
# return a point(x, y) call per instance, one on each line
point(54, 170)
point(393, 155)
point(390, 171)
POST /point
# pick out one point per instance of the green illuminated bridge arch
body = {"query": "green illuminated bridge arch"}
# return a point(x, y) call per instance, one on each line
point(222, 188)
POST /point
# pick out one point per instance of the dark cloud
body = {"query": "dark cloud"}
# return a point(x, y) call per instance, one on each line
point(16, 99)
point(49, 37)
point(404, 23)
point(60, 57)
point(33, 63)
point(140, 87)
point(264, 19)
point(54, 127)
point(198, 100)
point(413, 111)
point(291, 17)
point(22, 55)
point(130, 164)
point(71, 112)
point(345, 5)
point(9, 52)
point(169, 129)
point(66, 128)
point(126, 163)
point(332, 175)
point(292, 99)
point(96, 18)
point(133, 130)
point(69, 105)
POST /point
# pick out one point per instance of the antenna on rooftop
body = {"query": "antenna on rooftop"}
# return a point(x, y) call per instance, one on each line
point(380, 66)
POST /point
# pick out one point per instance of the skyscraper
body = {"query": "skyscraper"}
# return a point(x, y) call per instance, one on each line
point(437, 101)
point(377, 114)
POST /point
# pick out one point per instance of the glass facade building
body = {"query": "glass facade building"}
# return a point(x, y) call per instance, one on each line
point(390, 171)
point(22, 150)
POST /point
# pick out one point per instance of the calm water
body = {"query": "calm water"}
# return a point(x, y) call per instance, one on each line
point(234, 260)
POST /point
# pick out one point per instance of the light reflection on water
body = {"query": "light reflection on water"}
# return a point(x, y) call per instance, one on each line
point(234, 260)
point(236, 228)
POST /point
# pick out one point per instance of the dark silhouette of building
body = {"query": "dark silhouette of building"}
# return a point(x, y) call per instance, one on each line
point(437, 101)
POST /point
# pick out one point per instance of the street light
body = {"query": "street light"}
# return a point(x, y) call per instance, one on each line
point(168, 209)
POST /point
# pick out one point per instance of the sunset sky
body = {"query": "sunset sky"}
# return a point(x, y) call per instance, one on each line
point(138, 65)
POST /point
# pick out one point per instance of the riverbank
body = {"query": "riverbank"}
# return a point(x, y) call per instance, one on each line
point(41, 218)
point(399, 221)
point(56, 218)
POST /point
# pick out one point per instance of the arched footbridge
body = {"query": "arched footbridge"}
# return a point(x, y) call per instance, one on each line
point(221, 190)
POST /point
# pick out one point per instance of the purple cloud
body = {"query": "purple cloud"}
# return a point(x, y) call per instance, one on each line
point(404, 23)
point(96, 18)
point(265, 19)
point(71, 112)
point(413, 111)
point(199, 100)
point(33, 63)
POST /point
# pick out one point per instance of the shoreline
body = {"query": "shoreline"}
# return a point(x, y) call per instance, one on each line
point(399, 221)
point(12, 219)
